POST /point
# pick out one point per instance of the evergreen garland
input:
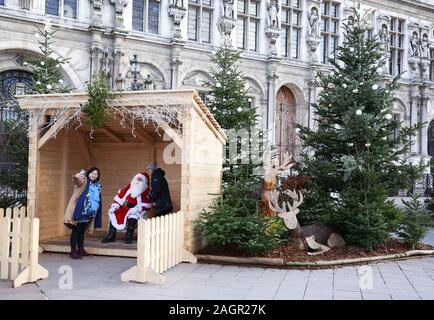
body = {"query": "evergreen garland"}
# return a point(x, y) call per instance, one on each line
point(96, 107)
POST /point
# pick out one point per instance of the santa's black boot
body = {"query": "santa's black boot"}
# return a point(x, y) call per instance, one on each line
point(131, 226)
point(111, 236)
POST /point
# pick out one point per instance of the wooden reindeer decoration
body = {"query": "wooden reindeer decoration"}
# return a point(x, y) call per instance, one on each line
point(316, 237)
point(271, 171)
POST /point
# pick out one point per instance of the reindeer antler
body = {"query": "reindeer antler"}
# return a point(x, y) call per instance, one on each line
point(286, 162)
point(273, 202)
point(297, 200)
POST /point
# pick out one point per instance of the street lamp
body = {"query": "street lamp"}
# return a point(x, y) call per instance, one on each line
point(135, 70)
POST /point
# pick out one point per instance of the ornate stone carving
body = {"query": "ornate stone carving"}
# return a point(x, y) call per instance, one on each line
point(97, 14)
point(225, 26)
point(273, 34)
point(177, 14)
point(119, 11)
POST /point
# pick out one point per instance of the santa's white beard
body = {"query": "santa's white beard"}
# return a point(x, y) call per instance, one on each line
point(137, 187)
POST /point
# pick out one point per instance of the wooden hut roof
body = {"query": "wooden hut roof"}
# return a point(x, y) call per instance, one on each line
point(126, 99)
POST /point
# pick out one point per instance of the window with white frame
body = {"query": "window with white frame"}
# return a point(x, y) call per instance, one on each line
point(2, 2)
point(248, 24)
point(396, 34)
point(61, 8)
point(146, 15)
point(329, 29)
point(291, 28)
point(200, 20)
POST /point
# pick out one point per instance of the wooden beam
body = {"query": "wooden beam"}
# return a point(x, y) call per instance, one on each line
point(112, 134)
point(142, 134)
point(84, 148)
point(50, 133)
point(171, 133)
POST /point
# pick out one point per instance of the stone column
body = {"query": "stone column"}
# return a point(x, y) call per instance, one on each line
point(414, 102)
point(423, 119)
point(118, 73)
point(271, 107)
point(175, 64)
point(96, 50)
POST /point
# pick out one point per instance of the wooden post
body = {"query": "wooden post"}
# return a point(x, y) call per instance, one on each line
point(34, 271)
point(5, 228)
point(141, 272)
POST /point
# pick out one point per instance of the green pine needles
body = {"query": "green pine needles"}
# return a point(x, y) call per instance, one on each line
point(96, 107)
point(47, 77)
point(356, 157)
point(416, 221)
point(227, 98)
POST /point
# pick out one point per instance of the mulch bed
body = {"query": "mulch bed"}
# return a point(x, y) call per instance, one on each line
point(290, 254)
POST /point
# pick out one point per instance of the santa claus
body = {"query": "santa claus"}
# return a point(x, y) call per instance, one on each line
point(129, 205)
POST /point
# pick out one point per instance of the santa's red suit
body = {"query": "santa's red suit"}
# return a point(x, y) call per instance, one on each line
point(125, 206)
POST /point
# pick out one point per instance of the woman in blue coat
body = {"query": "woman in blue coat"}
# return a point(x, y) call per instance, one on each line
point(83, 208)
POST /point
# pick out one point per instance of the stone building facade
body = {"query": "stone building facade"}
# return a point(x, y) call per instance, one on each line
point(283, 41)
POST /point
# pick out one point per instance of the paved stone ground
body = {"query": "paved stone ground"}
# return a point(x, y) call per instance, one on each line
point(98, 277)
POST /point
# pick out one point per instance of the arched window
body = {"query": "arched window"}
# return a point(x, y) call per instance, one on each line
point(146, 16)
point(61, 8)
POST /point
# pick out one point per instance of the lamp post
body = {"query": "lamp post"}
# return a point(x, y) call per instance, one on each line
point(135, 70)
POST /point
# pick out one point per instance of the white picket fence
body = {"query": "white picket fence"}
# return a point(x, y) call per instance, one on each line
point(160, 246)
point(19, 247)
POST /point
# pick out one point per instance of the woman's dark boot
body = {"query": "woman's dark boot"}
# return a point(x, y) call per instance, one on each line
point(82, 252)
point(74, 254)
point(131, 226)
point(111, 236)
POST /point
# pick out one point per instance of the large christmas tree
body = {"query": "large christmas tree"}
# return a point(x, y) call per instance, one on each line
point(356, 154)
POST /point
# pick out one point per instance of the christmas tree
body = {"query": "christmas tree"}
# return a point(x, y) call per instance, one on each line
point(227, 98)
point(234, 219)
point(46, 69)
point(356, 155)
point(46, 79)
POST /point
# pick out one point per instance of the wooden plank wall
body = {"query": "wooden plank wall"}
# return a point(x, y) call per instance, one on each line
point(50, 183)
point(119, 162)
point(201, 175)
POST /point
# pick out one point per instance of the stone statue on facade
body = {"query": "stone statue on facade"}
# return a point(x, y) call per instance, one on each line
point(424, 47)
point(177, 3)
point(414, 45)
point(314, 23)
point(228, 8)
point(273, 14)
point(383, 35)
